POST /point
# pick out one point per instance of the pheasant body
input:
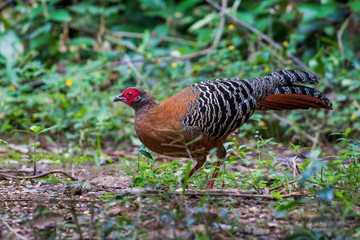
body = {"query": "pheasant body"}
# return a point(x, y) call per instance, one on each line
point(201, 116)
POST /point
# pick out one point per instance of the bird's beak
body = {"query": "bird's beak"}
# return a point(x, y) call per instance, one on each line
point(119, 98)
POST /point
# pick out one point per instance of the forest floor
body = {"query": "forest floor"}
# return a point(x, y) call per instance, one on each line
point(101, 203)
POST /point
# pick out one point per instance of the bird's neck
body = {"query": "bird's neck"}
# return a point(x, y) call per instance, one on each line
point(144, 106)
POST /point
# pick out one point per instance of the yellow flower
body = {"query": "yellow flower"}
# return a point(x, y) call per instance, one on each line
point(173, 65)
point(17, 191)
point(129, 71)
point(285, 43)
point(178, 14)
point(232, 47)
point(12, 88)
point(267, 69)
point(262, 124)
point(240, 75)
point(231, 27)
point(68, 82)
point(353, 116)
point(83, 46)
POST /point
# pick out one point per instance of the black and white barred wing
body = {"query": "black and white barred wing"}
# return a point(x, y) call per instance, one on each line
point(223, 105)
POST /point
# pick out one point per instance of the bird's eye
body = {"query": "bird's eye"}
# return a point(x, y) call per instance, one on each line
point(130, 94)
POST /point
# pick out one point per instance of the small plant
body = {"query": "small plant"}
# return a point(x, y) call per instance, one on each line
point(35, 131)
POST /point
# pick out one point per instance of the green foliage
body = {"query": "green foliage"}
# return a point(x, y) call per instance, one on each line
point(61, 64)
point(53, 60)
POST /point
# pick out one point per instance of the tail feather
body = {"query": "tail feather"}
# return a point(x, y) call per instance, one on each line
point(294, 97)
point(290, 77)
point(267, 85)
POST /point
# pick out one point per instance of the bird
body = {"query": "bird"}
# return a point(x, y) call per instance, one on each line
point(200, 117)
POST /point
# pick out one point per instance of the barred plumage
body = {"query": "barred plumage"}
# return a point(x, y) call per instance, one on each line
point(224, 105)
point(200, 117)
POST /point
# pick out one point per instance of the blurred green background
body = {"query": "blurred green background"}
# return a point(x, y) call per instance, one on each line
point(62, 62)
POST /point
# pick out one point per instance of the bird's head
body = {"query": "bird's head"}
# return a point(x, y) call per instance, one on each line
point(135, 98)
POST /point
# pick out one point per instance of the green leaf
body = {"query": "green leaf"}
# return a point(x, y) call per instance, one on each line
point(154, 4)
point(313, 11)
point(202, 22)
point(34, 128)
point(47, 129)
point(246, 17)
point(3, 141)
point(311, 170)
point(36, 144)
point(11, 46)
point(60, 16)
point(315, 153)
point(277, 195)
point(187, 173)
point(146, 154)
point(280, 212)
point(286, 206)
point(327, 194)
point(110, 160)
point(145, 41)
point(79, 41)
point(46, 28)
point(184, 5)
point(108, 195)
point(354, 5)
point(347, 131)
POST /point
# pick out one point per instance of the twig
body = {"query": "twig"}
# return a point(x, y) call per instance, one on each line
point(73, 168)
point(120, 34)
point(188, 56)
point(279, 186)
point(324, 185)
point(260, 34)
point(53, 200)
point(73, 212)
point(295, 170)
point(317, 134)
point(224, 194)
point(339, 35)
point(356, 103)
point(221, 24)
point(4, 3)
point(40, 175)
point(13, 231)
point(127, 59)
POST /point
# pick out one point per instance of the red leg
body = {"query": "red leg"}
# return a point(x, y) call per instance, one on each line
point(194, 169)
point(216, 172)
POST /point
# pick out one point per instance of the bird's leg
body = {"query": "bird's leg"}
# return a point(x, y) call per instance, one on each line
point(198, 165)
point(220, 153)
point(216, 172)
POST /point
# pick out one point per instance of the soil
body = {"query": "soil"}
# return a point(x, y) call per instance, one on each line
point(102, 204)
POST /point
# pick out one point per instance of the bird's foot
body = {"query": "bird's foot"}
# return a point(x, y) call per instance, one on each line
point(210, 185)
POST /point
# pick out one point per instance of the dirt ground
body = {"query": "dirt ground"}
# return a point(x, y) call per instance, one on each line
point(100, 204)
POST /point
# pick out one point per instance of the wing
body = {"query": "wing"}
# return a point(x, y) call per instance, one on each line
point(221, 107)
